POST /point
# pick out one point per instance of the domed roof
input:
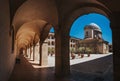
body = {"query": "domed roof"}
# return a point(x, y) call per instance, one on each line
point(93, 26)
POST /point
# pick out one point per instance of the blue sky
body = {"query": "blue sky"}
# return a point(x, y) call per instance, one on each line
point(77, 28)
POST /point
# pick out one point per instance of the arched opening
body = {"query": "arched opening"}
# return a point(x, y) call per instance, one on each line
point(33, 20)
point(35, 39)
point(92, 38)
point(51, 48)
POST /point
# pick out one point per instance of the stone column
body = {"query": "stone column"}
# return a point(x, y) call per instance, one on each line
point(36, 53)
point(44, 58)
point(43, 54)
point(30, 51)
point(27, 51)
point(115, 24)
point(62, 64)
point(40, 53)
point(33, 52)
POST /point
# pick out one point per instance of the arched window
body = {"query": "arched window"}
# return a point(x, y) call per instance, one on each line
point(53, 37)
point(49, 43)
point(86, 34)
point(71, 45)
point(52, 42)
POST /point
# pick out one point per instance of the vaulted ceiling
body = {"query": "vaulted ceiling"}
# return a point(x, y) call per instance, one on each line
point(32, 19)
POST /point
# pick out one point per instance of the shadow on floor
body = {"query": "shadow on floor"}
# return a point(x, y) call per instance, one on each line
point(100, 69)
point(95, 70)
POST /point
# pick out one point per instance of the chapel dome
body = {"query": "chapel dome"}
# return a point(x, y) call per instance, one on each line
point(93, 26)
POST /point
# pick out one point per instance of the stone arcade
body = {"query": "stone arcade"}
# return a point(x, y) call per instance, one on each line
point(25, 22)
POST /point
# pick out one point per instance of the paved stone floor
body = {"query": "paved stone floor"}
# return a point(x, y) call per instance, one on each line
point(94, 70)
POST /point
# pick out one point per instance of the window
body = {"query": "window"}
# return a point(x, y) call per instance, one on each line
point(49, 43)
point(48, 37)
point(53, 43)
point(52, 37)
point(86, 34)
point(71, 45)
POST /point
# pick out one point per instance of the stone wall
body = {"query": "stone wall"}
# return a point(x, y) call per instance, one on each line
point(7, 58)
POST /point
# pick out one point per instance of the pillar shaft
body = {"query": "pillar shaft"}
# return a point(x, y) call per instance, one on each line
point(44, 54)
point(26, 52)
point(116, 54)
point(40, 53)
point(30, 51)
point(44, 60)
point(62, 64)
point(115, 24)
point(33, 52)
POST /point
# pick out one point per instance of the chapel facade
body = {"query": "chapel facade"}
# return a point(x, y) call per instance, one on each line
point(93, 40)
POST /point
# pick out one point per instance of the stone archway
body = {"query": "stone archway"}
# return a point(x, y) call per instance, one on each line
point(64, 8)
point(64, 28)
point(27, 14)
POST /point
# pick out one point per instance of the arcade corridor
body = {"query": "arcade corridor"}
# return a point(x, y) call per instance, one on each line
point(24, 23)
